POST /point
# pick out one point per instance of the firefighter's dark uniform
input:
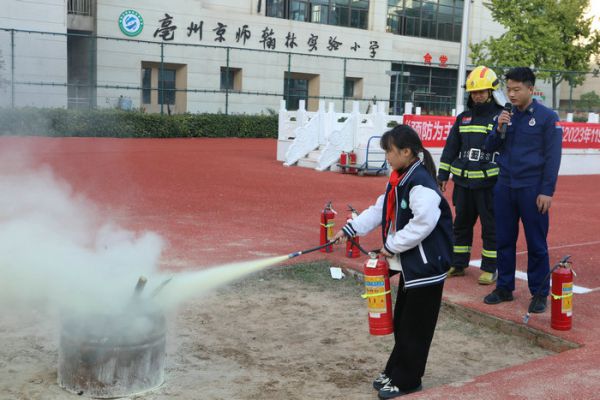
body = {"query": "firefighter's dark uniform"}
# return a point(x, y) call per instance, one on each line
point(474, 173)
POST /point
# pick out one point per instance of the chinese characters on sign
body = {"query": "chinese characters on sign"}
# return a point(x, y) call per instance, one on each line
point(243, 33)
point(443, 60)
point(220, 32)
point(195, 28)
point(312, 42)
point(427, 59)
point(166, 30)
point(268, 38)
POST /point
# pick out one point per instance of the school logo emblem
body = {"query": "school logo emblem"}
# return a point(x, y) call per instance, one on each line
point(532, 122)
point(403, 204)
point(131, 22)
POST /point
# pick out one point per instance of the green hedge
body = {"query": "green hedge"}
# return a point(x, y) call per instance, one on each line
point(117, 123)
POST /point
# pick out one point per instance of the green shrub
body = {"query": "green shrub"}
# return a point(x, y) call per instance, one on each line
point(117, 123)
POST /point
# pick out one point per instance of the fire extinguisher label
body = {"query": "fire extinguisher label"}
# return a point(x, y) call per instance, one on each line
point(567, 298)
point(375, 287)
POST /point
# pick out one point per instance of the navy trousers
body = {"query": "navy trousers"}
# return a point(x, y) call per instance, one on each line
point(510, 206)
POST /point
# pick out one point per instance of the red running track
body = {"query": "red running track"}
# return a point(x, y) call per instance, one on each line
point(220, 200)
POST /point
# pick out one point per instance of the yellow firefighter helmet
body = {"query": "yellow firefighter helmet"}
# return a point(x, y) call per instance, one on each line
point(482, 78)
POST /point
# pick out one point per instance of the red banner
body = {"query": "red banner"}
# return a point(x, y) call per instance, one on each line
point(580, 135)
point(434, 130)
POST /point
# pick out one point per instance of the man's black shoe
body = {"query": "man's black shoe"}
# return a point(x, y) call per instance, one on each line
point(498, 296)
point(538, 304)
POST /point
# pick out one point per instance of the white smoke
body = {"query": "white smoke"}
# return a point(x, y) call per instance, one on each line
point(58, 250)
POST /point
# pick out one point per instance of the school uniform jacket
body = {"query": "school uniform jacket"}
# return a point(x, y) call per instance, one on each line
point(421, 238)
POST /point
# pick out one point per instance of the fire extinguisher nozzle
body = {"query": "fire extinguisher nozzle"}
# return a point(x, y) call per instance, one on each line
point(296, 254)
point(526, 319)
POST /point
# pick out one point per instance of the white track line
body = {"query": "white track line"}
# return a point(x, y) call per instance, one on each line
point(523, 276)
point(565, 246)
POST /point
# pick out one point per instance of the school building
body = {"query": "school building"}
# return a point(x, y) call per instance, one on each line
point(236, 56)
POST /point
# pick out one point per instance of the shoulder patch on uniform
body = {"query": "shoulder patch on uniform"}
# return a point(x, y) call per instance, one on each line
point(557, 125)
point(465, 120)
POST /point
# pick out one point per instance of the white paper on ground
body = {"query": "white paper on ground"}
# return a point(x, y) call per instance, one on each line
point(336, 273)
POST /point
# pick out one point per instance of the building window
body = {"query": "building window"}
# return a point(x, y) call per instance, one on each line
point(435, 19)
point(166, 86)
point(146, 85)
point(352, 13)
point(231, 78)
point(353, 88)
point(432, 89)
point(295, 90)
point(349, 87)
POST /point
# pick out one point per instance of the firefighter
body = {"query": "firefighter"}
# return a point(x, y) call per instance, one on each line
point(474, 173)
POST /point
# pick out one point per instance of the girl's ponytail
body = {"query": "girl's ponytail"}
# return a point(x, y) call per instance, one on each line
point(429, 163)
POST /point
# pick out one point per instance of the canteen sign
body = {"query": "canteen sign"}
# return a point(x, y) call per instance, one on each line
point(131, 23)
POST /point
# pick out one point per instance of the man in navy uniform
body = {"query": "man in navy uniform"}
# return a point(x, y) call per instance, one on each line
point(529, 140)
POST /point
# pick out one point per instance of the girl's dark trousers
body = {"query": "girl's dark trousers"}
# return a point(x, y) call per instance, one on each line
point(415, 318)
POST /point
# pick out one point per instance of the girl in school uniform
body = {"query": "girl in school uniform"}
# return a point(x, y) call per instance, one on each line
point(416, 227)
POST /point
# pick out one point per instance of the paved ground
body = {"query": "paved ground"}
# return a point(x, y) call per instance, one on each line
point(218, 200)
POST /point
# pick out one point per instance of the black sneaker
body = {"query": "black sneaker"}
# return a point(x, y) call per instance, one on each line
point(498, 296)
point(538, 304)
point(390, 391)
point(381, 381)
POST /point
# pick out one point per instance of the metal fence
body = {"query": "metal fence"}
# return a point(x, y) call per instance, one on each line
point(85, 71)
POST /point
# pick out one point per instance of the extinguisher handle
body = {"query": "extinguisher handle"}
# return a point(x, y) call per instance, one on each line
point(565, 259)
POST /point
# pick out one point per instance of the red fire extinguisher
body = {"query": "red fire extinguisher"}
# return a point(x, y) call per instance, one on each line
point(352, 250)
point(562, 296)
point(352, 161)
point(343, 161)
point(378, 295)
point(327, 223)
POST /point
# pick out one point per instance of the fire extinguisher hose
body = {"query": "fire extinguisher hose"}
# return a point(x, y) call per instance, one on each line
point(331, 242)
point(362, 249)
point(299, 253)
point(539, 291)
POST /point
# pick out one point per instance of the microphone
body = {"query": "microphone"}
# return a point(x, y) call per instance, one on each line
point(502, 129)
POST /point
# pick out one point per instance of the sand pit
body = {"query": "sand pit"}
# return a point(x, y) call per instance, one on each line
point(290, 333)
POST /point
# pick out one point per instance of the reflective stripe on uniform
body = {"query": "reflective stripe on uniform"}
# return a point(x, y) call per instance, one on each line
point(488, 253)
point(462, 249)
point(444, 166)
point(473, 128)
point(474, 174)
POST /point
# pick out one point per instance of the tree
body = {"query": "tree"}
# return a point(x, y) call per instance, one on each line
point(553, 36)
point(589, 101)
